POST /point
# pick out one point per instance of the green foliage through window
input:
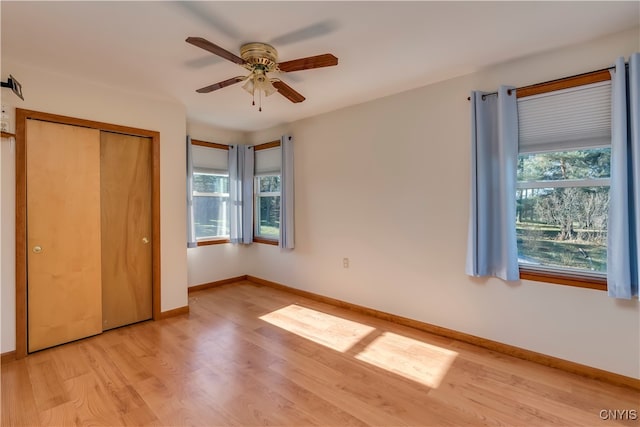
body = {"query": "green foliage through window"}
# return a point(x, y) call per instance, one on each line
point(268, 207)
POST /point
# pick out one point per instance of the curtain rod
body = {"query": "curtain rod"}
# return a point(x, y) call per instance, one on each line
point(553, 81)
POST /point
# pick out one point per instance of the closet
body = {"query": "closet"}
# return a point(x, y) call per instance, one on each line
point(89, 226)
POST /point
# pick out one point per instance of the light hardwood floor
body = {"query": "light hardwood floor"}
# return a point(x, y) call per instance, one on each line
point(251, 355)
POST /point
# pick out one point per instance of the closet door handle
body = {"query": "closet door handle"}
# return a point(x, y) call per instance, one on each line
point(37, 249)
point(145, 240)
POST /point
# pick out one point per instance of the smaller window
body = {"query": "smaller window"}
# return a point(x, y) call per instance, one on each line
point(211, 205)
point(210, 192)
point(267, 207)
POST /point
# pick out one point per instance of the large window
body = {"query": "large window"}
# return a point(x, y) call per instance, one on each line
point(563, 173)
point(210, 192)
point(562, 201)
point(266, 189)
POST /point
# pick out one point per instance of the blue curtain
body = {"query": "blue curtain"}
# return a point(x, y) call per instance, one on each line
point(235, 194)
point(191, 232)
point(623, 255)
point(247, 193)
point(286, 193)
point(492, 247)
point(241, 163)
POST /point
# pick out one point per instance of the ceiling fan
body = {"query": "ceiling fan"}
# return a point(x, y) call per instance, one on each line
point(260, 59)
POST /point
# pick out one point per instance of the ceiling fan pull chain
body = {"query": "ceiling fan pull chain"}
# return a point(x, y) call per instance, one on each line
point(260, 100)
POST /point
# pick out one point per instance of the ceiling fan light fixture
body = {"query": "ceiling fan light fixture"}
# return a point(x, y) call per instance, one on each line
point(260, 82)
point(267, 87)
point(249, 86)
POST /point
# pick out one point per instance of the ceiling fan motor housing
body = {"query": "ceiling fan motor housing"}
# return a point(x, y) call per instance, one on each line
point(259, 55)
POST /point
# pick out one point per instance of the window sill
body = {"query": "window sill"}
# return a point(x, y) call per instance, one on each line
point(213, 242)
point(265, 241)
point(566, 279)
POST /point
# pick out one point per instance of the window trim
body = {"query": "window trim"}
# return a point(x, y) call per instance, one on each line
point(549, 276)
point(266, 145)
point(558, 278)
point(211, 240)
point(266, 241)
point(209, 144)
point(564, 83)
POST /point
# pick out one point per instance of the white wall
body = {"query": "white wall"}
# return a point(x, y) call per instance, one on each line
point(58, 94)
point(386, 183)
point(214, 262)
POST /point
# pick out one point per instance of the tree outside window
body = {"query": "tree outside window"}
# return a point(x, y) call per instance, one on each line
point(562, 201)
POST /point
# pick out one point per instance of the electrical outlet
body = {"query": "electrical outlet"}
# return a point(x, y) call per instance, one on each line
point(345, 262)
point(4, 119)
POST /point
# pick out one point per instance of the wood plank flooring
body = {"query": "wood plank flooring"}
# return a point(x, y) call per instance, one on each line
point(249, 355)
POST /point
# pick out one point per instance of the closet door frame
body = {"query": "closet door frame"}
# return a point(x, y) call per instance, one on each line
point(21, 209)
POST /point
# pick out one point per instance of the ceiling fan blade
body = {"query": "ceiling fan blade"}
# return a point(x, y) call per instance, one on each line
point(287, 91)
point(215, 49)
point(221, 84)
point(318, 61)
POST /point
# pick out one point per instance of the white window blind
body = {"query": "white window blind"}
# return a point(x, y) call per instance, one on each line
point(212, 159)
point(568, 119)
point(268, 161)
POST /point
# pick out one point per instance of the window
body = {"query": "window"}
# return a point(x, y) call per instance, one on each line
point(267, 192)
point(562, 200)
point(211, 205)
point(563, 173)
point(267, 216)
point(210, 192)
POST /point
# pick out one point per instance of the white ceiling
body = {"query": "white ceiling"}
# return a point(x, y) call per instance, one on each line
point(383, 47)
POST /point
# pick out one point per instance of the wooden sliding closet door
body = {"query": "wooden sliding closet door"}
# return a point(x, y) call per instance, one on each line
point(63, 238)
point(125, 162)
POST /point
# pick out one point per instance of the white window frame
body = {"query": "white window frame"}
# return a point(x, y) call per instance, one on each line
point(564, 183)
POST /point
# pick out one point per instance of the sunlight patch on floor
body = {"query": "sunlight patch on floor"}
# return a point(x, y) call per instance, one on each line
point(322, 328)
point(407, 357)
point(412, 359)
